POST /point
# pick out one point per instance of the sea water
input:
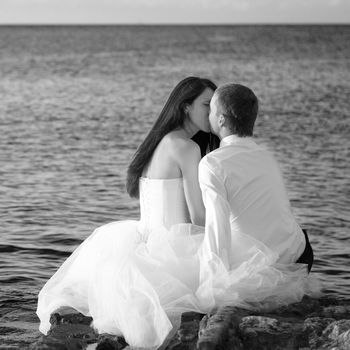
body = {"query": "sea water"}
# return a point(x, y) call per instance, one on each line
point(75, 102)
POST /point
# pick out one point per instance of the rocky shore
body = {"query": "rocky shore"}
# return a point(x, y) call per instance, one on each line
point(311, 324)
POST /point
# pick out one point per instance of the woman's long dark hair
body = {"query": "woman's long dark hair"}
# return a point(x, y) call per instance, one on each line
point(171, 117)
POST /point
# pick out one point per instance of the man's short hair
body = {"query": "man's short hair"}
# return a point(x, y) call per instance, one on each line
point(239, 105)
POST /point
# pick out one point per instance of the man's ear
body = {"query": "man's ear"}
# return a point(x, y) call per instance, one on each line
point(222, 120)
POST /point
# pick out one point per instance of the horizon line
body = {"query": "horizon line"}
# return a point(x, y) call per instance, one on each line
point(178, 24)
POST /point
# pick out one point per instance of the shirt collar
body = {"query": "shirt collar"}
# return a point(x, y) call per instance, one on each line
point(236, 140)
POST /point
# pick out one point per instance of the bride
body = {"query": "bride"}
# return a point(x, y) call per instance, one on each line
point(135, 278)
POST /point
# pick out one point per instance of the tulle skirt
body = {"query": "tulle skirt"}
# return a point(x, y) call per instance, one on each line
point(138, 288)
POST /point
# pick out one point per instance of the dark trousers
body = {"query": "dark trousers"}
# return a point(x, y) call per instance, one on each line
point(308, 255)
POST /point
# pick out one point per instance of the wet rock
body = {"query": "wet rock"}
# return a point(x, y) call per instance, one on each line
point(186, 337)
point(337, 328)
point(259, 332)
point(74, 318)
point(219, 331)
point(314, 327)
point(335, 336)
point(188, 331)
point(109, 342)
point(68, 332)
point(312, 324)
point(337, 312)
point(51, 344)
point(307, 306)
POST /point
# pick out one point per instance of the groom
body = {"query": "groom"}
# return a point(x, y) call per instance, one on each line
point(242, 187)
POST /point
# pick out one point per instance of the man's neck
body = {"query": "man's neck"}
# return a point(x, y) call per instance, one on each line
point(224, 132)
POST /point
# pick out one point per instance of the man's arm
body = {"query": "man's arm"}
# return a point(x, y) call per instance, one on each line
point(217, 240)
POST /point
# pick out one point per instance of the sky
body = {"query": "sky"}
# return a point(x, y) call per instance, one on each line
point(173, 11)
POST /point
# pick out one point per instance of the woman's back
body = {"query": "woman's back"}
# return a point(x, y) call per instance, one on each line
point(177, 157)
point(164, 163)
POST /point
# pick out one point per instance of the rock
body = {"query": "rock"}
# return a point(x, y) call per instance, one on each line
point(336, 336)
point(307, 306)
point(188, 331)
point(314, 327)
point(109, 342)
point(67, 332)
point(337, 312)
point(312, 324)
point(258, 332)
point(57, 343)
point(74, 318)
point(186, 337)
point(219, 331)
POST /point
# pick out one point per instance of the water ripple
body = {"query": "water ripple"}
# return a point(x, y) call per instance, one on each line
point(6, 248)
point(76, 102)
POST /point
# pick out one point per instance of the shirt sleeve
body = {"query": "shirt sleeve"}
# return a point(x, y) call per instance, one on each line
point(217, 240)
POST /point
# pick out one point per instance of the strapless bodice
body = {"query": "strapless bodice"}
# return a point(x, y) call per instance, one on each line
point(162, 203)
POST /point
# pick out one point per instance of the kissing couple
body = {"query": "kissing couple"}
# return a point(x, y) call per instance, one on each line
point(216, 227)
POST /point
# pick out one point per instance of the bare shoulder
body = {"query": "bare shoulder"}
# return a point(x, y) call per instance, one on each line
point(181, 145)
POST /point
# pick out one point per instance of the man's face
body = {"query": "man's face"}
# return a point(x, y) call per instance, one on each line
point(214, 115)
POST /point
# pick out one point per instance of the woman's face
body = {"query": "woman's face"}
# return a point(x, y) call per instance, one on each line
point(198, 111)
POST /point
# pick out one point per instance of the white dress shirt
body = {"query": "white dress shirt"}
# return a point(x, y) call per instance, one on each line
point(244, 193)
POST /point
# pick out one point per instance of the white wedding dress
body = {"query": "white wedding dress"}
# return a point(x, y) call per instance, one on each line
point(135, 278)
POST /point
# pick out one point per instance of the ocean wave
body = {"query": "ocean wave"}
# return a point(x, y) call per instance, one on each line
point(8, 248)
